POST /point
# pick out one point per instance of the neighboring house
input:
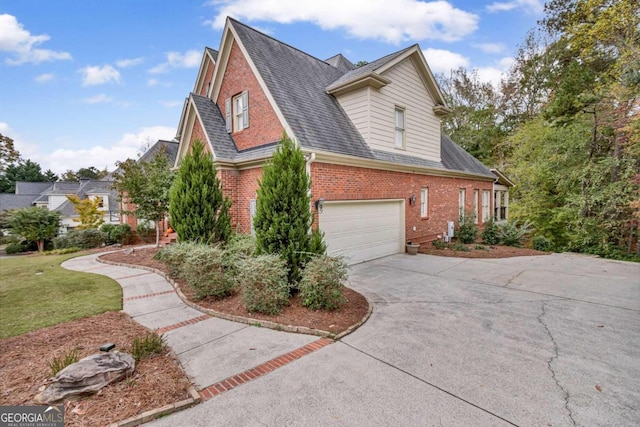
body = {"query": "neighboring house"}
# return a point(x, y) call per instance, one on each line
point(53, 196)
point(170, 148)
point(382, 172)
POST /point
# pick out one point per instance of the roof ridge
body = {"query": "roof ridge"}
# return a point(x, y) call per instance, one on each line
point(279, 41)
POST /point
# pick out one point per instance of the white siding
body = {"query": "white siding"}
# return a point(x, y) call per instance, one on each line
point(356, 105)
point(55, 201)
point(372, 111)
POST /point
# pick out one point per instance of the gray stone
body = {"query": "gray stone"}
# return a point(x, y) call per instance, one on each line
point(88, 376)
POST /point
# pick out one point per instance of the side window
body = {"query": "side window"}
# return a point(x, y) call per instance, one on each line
point(462, 194)
point(237, 112)
point(424, 202)
point(400, 127)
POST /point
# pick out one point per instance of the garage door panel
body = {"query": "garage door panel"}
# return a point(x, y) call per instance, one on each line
point(363, 230)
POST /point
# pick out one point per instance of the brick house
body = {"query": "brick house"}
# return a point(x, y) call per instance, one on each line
point(382, 172)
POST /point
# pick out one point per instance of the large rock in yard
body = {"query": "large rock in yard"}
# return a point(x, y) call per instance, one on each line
point(88, 376)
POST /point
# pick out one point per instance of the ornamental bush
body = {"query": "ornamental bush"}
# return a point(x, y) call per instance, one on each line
point(490, 233)
point(264, 284)
point(174, 256)
point(322, 283)
point(117, 233)
point(204, 271)
point(82, 239)
point(541, 243)
point(468, 232)
point(511, 234)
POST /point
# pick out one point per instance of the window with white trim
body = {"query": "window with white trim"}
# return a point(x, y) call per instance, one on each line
point(476, 195)
point(252, 214)
point(237, 112)
point(485, 205)
point(462, 194)
point(501, 205)
point(424, 202)
point(400, 120)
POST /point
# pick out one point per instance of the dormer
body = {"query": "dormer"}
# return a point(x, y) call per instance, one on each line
point(205, 73)
point(395, 103)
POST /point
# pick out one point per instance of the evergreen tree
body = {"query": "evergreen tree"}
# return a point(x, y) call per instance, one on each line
point(283, 214)
point(198, 210)
point(24, 170)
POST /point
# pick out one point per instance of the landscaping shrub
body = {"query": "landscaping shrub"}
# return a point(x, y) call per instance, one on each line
point(149, 345)
point(541, 243)
point(264, 284)
point(490, 233)
point(239, 248)
point(204, 271)
point(146, 232)
point(59, 363)
point(13, 248)
point(439, 244)
point(317, 244)
point(322, 283)
point(459, 246)
point(467, 232)
point(117, 233)
point(511, 234)
point(83, 239)
point(174, 256)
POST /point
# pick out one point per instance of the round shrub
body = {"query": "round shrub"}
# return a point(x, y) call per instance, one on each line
point(204, 271)
point(13, 248)
point(174, 256)
point(541, 243)
point(322, 283)
point(239, 248)
point(264, 284)
point(468, 232)
point(512, 235)
point(117, 233)
point(88, 238)
point(490, 233)
point(63, 241)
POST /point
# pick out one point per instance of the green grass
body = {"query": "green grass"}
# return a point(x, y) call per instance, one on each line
point(36, 292)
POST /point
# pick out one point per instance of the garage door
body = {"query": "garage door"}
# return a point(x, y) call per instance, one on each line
point(363, 230)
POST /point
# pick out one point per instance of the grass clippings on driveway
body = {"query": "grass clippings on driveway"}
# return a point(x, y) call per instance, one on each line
point(36, 292)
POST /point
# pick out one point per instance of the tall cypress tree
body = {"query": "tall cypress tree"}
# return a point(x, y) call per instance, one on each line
point(283, 214)
point(197, 208)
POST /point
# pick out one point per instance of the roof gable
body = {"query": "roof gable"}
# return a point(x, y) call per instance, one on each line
point(209, 58)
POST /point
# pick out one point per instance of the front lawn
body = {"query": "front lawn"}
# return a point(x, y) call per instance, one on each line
point(36, 292)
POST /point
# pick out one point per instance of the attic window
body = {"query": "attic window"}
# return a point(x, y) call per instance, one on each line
point(237, 112)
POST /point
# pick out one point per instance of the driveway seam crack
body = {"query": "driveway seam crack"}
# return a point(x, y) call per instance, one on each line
point(556, 354)
point(430, 384)
point(210, 341)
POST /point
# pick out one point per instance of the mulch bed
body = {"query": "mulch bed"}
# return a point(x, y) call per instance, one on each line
point(294, 314)
point(24, 369)
point(474, 251)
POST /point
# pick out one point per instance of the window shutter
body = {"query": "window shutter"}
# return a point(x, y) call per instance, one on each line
point(227, 110)
point(245, 109)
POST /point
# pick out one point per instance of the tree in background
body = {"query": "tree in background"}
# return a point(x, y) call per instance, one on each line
point(84, 173)
point(8, 154)
point(146, 185)
point(23, 170)
point(283, 208)
point(35, 224)
point(198, 210)
point(88, 209)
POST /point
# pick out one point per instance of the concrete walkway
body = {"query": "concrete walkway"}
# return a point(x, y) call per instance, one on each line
point(217, 354)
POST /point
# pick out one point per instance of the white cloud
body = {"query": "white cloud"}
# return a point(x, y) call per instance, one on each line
point(494, 73)
point(443, 61)
point(189, 59)
point(129, 62)
point(171, 104)
point(43, 78)
point(490, 47)
point(22, 44)
point(98, 75)
point(98, 99)
point(531, 6)
point(393, 22)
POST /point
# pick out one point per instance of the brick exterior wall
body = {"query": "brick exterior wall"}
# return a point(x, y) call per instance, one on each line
point(264, 126)
point(198, 133)
point(337, 182)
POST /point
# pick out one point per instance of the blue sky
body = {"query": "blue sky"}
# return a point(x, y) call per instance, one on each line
point(87, 83)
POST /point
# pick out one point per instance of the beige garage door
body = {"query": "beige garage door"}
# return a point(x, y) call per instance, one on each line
point(363, 230)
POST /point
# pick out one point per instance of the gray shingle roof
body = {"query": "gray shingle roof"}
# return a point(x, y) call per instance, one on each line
point(15, 201)
point(32, 188)
point(213, 53)
point(298, 81)
point(85, 188)
point(170, 148)
point(215, 128)
point(341, 63)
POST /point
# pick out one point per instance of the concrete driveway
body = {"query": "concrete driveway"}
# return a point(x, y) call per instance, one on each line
point(530, 341)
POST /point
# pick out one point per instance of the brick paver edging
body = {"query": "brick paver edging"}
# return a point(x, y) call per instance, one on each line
point(263, 369)
point(155, 294)
point(152, 414)
point(246, 320)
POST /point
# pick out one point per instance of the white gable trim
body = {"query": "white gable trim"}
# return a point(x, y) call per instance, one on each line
point(187, 131)
point(425, 73)
point(202, 72)
point(228, 37)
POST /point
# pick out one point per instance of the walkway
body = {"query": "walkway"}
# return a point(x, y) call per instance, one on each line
point(217, 354)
